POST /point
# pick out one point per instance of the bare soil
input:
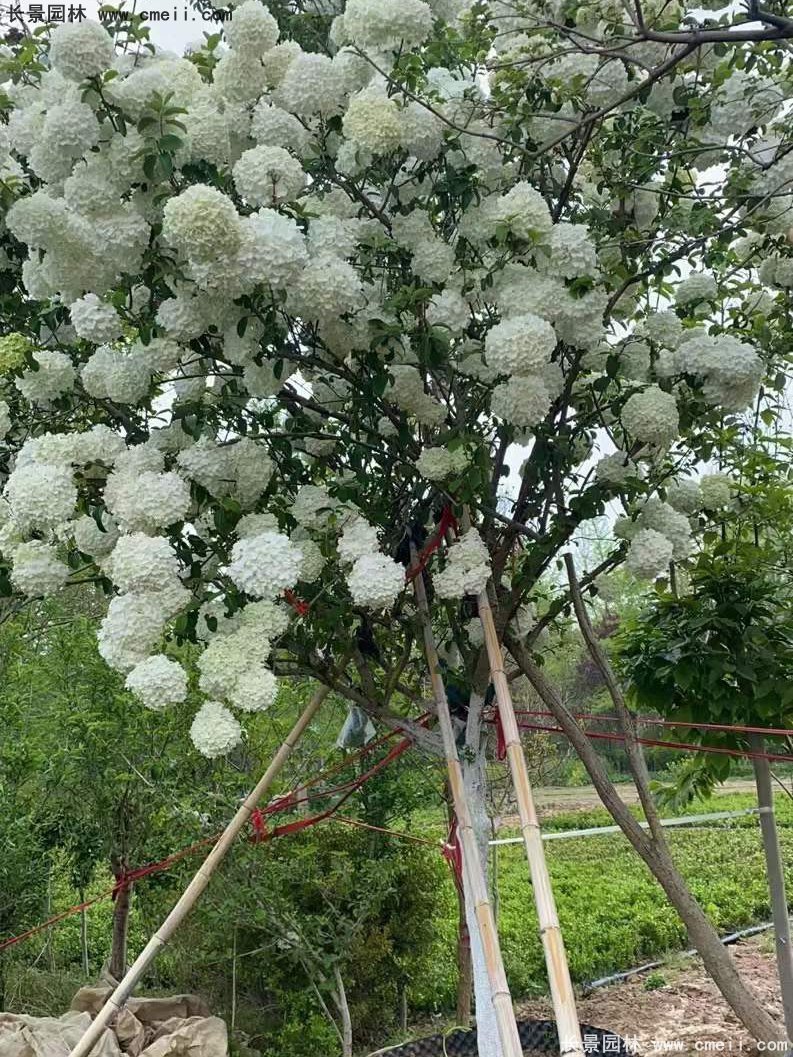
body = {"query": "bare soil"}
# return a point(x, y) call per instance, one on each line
point(553, 799)
point(686, 1015)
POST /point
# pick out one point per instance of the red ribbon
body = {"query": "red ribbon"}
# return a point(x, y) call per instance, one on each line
point(300, 607)
point(453, 854)
point(501, 741)
point(447, 521)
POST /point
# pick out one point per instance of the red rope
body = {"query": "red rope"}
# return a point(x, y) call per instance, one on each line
point(299, 606)
point(447, 521)
point(501, 739)
point(652, 721)
point(683, 746)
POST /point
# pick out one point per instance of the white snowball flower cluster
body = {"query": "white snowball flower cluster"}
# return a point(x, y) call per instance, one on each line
point(522, 401)
point(214, 731)
point(700, 286)
point(241, 470)
point(252, 29)
point(467, 568)
point(715, 491)
point(651, 416)
point(92, 540)
point(254, 690)
point(116, 374)
point(141, 563)
point(42, 496)
point(684, 495)
point(358, 538)
point(381, 25)
point(5, 419)
point(373, 121)
point(313, 506)
point(268, 176)
point(95, 320)
point(731, 371)
point(129, 631)
point(201, 223)
point(147, 500)
point(617, 470)
point(158, 682)
point(264, 566)
point(521, 345)
point(37, 569)
point(375, 581)
point(649, 555)
point(54, 377)
point(675, 526)
point(572, 252)
point(436, 464)
point(79, 50)
point(407, 391)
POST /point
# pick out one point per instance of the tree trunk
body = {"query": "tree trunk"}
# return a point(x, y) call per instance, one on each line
point(776, 880)
point(118, 949)
point(475, 779)
point(656, 856)
point(340, 998)
point(84, 937)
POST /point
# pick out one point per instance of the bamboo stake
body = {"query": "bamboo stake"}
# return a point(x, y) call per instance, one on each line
point(555, 956)
point(472, 863)
point(195, 889)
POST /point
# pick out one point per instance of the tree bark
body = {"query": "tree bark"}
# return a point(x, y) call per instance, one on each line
point(340, 998)
point(475, 779)
point(656, 856)
point(118, 949)
point(776, 880)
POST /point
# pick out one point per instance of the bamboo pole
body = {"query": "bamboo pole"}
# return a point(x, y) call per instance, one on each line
point(776, 878)
point(472, 863)
point(195, 889)
point(553, 945)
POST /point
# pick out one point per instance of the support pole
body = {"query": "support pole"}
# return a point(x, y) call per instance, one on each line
point(776, 879)
point(472, 864)
point(555, 956)
point(195, 889)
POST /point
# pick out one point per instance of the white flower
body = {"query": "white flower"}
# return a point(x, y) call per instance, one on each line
point(467, 568)
point(132, 626)
point(382, 25)
point(146, 501)
point(141, 563)
point(215, 731)
point(684, 495)
point(375, 581)
point(158, 682)
point(252, 29)
point(617, 469)
point(328, 286)
point(572, 252)
point(5, 419)
point(80, 50)
point(120, 375)
point(94, 320)
point(263, 566)
point(312, 562)
point(701, 286)
point(520, 345)
point(37, 569)
point(522, 401)
point(358, 538)
point(313, 84)
point(373, 121)
point(42, 496)
point(274, 127)
point(649, 555)
point(268, 176)
point(202, 223)
point(436, 464)
point(714, 489)
point(255, 690)
point(54, 377)
point(651, 416)
point(91, 540)
point(313, 506)
point(663, 518)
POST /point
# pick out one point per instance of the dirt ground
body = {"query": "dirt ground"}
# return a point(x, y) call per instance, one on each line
point(686, 1015)
point(553, 799)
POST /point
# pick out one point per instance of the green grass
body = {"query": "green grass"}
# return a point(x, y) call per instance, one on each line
point(613, 914)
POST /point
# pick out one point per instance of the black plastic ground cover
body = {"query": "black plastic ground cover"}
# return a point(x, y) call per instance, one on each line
point(539, 1039)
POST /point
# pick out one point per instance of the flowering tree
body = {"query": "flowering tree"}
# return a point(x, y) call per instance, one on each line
point(271, 307)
